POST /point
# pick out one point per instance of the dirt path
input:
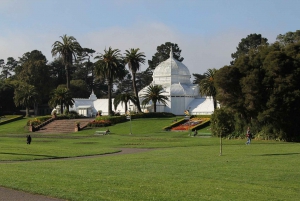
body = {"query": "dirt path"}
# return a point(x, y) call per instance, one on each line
point(7, 194)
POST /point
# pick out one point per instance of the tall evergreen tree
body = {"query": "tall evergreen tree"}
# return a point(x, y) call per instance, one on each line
point(133, 58)
point(110, 66)
point(68, 50)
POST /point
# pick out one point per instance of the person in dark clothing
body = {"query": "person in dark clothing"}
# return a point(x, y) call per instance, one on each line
point(249, 136)
point(28, 139)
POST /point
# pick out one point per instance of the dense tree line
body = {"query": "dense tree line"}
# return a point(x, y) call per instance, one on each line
point(74, 73)
point(261, 89)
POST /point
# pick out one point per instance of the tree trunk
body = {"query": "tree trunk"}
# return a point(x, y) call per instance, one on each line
point(215, 103)
point(136, 93)
point(126, 108)
point(109, 98)
point(154, 105)
point(36, 109)
point(27, 111)
point(61, 109)
point(67, 76)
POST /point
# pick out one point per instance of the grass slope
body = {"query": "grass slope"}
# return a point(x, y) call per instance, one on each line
point(178, 168)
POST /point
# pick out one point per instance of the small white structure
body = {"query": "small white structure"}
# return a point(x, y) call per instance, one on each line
point(89, 107)
point(174, 77)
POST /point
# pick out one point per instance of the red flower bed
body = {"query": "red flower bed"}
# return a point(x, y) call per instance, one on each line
point(99, 123)
point(187, 125)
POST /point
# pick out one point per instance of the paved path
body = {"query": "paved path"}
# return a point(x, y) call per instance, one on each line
point(7, 194)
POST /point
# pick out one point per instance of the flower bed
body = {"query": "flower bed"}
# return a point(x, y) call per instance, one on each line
point(188, 124)
point(99, 123)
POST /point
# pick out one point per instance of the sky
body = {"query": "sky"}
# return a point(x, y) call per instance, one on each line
point(207, 31)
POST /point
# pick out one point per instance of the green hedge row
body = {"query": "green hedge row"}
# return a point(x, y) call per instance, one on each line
point(122, 118)
point(17, 117)
point(38, 120)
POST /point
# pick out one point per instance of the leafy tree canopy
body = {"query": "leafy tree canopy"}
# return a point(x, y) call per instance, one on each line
point(163, 53)
point(289, 37)
point(261, 90)
point(252, 41)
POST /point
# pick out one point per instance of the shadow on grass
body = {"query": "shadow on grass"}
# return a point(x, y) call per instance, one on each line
point(17, 154)
point(285, 154)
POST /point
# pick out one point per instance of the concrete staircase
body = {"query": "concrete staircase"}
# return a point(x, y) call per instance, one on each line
point(64, 126)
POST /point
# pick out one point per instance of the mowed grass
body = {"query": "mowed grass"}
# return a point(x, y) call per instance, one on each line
point(177, 167)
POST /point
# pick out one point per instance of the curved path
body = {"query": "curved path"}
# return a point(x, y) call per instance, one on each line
point(7, 194)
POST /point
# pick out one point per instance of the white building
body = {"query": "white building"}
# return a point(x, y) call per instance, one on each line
point(174, 77)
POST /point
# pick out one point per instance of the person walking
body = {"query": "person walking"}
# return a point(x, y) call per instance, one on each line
point(249, 136)
point(28, 139)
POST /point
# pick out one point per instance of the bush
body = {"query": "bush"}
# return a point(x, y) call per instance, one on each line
point(14, 118)
point(38, 120)
point(222, 123)
point(99, 123)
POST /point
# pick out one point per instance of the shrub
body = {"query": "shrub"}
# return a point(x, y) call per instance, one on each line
point(38, 120)
point(100, 123)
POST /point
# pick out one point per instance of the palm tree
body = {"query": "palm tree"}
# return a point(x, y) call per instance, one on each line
point(124, 98)
point(25, 95)
point(133, 58)
point(207, 87)
point(153, 93)
point(110, 66)
point(61, 97)
point(68, 49)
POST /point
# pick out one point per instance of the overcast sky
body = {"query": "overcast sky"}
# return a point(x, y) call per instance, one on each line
point(207, 31)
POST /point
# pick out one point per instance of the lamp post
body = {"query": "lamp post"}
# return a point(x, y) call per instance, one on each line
point(221, 143)
point(129, 117)
point(187, 117)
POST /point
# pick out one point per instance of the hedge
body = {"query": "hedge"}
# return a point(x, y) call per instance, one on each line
point(17, 117)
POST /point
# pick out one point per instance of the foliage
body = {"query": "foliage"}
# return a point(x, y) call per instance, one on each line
point(10, 118)
point(38, 120)
point(163, 53)
point(261, 90)
point(99, 123)
point(154, 93)
point(33, 70)
point(8, 68)
point(252, 41)
point(124, 98)
point(25, 95)
point(80, 88)
point(110, 66)
point(207, 86)
point(222, 123)
point(110, 119)
point(152, 115)
point(198, 78)
point(68, 49)
point(133, 58)
point(6, 97)
point(289, 37)
point(61, 97)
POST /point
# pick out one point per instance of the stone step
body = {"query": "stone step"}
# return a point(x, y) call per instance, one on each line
point(63, 126)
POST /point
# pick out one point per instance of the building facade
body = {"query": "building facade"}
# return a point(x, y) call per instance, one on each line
point(174, 77)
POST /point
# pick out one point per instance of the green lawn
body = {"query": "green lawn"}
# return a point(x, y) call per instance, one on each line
point(178, 167)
